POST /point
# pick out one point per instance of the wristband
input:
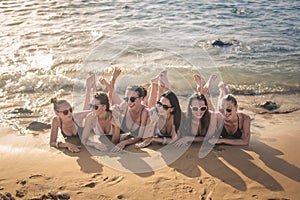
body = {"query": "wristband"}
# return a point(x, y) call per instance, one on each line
point(165, 140)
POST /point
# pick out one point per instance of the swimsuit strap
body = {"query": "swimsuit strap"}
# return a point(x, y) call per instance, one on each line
point(238, 121)
point(79, 129)
point(237, 134)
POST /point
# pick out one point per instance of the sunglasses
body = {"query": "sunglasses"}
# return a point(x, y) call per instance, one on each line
point(132, 99)
point(66, 112)
point(202, 108)
point(166, 107)
point(228, 110)
point(94, 106)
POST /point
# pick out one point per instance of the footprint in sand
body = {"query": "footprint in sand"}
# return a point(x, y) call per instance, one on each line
point(96, 175)
point(210, 185)
point(188, 188)
point(115, 180)
point(35, 176)
point(7, 196)
point(90, 185)
point(22, 182)
point(158, 180)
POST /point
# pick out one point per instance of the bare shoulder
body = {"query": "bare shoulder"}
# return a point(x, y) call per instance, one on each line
point(55, 121)
point(244, 116)
point(145, 111)
point(91, 115)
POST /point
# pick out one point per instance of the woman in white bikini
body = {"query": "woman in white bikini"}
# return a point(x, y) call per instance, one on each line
point(100, 125)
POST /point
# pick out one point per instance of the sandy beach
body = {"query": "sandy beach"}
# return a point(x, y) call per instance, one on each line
point(269, 168)
point(49, 48)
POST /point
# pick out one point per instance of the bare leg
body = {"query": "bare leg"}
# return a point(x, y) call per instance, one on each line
point(90, 87)
point(163, 80)
point(204, 90)
point(112, 96)
point(197, 79)
point(153, 92)
point(209, 83)
point(224, 90)
point(116, 72)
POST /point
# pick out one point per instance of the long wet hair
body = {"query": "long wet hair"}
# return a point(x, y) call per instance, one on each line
point(172, 97)
point(103, 98)
point(205, 120)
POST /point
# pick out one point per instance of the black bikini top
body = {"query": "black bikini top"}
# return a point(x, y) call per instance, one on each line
point(237, 135)
point(79, 130)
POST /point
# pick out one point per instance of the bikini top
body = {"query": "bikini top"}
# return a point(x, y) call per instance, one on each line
point(79, 130)
point(99, 131)
point(237, 135)
point(125, 129)
point(159, 134)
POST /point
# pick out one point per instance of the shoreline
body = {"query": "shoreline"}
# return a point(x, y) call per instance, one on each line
point(268, 168)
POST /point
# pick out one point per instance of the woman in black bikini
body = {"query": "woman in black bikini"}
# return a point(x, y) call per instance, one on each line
point(236, 129)
point(68, 122)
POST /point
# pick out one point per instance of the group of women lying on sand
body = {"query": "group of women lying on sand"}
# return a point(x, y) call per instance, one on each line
point(149, 116)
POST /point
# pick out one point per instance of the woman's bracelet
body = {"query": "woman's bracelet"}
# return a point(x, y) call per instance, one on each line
point(165, 140)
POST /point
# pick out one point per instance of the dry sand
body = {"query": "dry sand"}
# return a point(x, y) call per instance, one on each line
point(269, 168)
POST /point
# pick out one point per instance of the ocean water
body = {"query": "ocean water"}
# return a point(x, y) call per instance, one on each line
point(49, 47)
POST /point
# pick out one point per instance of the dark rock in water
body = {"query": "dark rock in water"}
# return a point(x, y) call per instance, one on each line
point(21, 110)
point(38, 126)
point(269, 105)
point(220, 43)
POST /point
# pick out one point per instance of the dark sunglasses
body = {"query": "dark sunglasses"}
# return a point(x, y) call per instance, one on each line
point(202, 108)
point(228, 110)
point(66, 112)
point(94, 106)
point(166, 107)
point(132, 99)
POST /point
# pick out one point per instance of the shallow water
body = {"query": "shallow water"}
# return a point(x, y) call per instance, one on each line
point(48, 48)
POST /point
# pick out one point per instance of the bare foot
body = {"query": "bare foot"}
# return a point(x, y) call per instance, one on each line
point(144, 144)
point(197, 79)
point(91, 82)
point(223, 88)
point(155, 80)
point(107, 86)
point(116, 72)
point(163, 80)
point(210, 81)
